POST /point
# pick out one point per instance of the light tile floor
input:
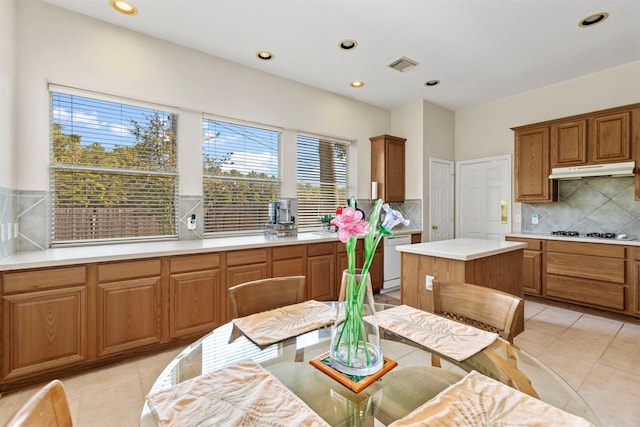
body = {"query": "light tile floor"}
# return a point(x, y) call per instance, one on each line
point(599, 356)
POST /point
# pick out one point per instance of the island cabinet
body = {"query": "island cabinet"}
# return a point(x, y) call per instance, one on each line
point(128, 305)
point(388, 167)
point(588, 273)
point(531, 265)
point(532, 167)
point(44, 321)
point(321, 271)
point(195, 289)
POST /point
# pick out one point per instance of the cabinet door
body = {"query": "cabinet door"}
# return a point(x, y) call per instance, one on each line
point(532, 272)
point(532, 183)
point(610, 138)
point(377, 269)
point(569, 144)
point(321, 276)
point(394, 171)
point(288, 261)
point(43, 330)
point(194, 302)
point(129, 315)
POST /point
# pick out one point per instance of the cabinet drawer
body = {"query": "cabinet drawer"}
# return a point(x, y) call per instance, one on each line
point(321, 249)
point(252, 256)
point(342, 248)
point(128, 270)
point(607, 295)
point(586, 266)
point(194, 263)
point(28, 281)
point(532, 244)
point(287, 252)
point(596, 249)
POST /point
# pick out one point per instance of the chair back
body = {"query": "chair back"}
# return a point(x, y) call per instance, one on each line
point(266, 294)
point(484, 308)
point(49, 407)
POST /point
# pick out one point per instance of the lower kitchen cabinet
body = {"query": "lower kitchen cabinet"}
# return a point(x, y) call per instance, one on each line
point(195, 289)
point(635, 281)
point(44, 321)
point(531, 265)
point(321, 272)
point(129, 306)
point(288, 261)
point(377, 270)
point(243, 266)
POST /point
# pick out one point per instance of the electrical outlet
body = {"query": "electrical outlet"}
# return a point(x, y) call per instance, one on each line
point(3, 236)
point(429, 282)
point(534, 218)
point(191, 222)
point(518, 219)
point(9, 231)
point(15, 230)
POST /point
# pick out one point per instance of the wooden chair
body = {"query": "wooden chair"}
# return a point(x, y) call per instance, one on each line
point(485, 308)
point(49, 407)
point(266, 294)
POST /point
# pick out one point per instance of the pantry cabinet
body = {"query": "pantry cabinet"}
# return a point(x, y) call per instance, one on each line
point(388, 167)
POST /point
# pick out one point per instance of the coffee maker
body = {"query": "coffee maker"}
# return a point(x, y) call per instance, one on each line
point(282, 218)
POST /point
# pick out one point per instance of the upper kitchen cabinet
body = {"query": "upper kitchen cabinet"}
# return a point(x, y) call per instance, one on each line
point(610, 137)
point(387, 167)
point(569, 143)
point(532, 183)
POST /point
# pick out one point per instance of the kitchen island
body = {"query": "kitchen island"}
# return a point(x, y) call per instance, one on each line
point(491, 263)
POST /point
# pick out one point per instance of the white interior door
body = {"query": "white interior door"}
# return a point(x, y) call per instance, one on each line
point(440, 199)
point(483, 202)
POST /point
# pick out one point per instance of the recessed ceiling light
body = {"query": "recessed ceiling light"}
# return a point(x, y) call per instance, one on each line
point(123, 7)
point(357, 84)
point(348, 44)
point(264, 55)
point(594, 19)
point(432, 83)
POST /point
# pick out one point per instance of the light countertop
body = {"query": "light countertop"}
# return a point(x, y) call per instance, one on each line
point(116, 252)
point(549, 236)
point(462, 249)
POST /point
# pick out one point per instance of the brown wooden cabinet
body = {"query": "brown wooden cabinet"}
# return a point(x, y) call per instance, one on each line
point(568, 143)
point(532, 167)
point(195, 290)
point(531, 265)
point(243, 266)
point(129, 305)
point(610, 137)
point(588, 273)
point(44, 321)
point(388, 167)
point(288, 260)
point(321, 271)
point(635, 281)
point(377, 269)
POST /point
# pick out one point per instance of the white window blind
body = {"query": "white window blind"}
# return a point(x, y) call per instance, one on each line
point(240, 176)
point(323, 179)
point(113, 170)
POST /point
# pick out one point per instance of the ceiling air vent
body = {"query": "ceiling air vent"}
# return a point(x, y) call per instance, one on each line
point(403, 64)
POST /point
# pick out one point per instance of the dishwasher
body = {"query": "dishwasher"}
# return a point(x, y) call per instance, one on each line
point(391, 264)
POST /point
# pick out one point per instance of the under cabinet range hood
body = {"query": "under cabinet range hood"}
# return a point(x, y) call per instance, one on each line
point(606, 169)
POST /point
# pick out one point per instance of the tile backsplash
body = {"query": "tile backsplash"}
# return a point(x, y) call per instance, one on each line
point(597, 204)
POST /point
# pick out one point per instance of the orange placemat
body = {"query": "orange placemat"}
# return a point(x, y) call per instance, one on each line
point(354, 383)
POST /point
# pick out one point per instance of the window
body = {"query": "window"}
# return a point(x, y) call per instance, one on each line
point(323, 179)
point(240, 176)
point(113, 169)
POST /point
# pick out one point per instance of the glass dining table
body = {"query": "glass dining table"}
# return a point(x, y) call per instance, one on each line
point(409, 385)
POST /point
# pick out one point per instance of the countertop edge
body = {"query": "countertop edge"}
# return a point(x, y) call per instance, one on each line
point(57, 257)
point(634, 242)
point(450, 249)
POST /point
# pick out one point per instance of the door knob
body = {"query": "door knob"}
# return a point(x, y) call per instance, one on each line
point(434, 227)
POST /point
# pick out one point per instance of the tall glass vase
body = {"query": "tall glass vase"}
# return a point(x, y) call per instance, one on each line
point(355, 337)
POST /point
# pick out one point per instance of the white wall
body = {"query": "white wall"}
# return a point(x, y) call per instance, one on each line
point(70, 49)
point(7, 94)
point(484, 130)
point(406, 122)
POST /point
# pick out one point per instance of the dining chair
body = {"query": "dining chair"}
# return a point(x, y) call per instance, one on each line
point(484, 308)
point(49, 407)
point(266, 294)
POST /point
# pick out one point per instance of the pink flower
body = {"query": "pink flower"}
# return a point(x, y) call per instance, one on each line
point(350, 223)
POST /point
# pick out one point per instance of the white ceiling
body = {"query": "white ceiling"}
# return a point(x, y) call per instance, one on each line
point(480, 50)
